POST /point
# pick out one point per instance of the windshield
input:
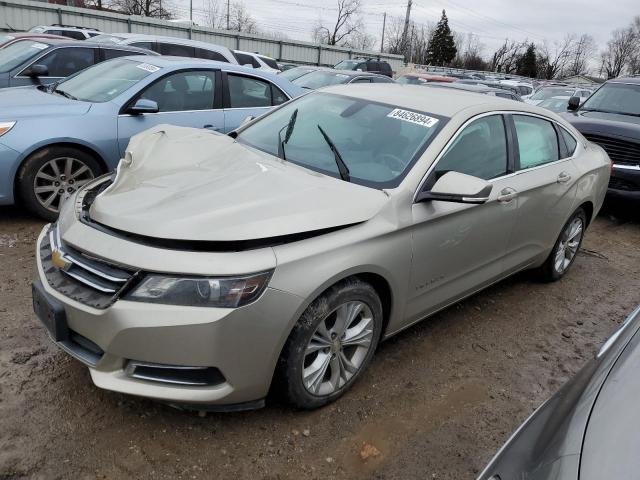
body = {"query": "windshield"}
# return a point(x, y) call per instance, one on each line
point(5, 38)
point(347, 64)
point(321, 78)
point(106, 80)
point(294, 73)
point(545, 93)
point(19, 52)
point(107, 39)
point(621, 98)
point(377, 142)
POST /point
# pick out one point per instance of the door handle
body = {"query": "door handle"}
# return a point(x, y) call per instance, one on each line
point(507, 194)
point(564, 177)
point(211, 127)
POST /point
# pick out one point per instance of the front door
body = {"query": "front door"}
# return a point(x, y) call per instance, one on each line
point(186, 98)
point(459, 248)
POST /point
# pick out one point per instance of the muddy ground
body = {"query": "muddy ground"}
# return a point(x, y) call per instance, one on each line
point(437, 402)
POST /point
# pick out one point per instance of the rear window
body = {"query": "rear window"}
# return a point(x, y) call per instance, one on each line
point(296, 72)
point(18, 53)
point(245, 59)
point(385, 67)
point(321, 78)
point(147, 45)
point(270, 61)
point(110, 53)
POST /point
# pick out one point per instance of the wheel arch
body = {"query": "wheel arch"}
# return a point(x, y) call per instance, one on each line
point(588, 208)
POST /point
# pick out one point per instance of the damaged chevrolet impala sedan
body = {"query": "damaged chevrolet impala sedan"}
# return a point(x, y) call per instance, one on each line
point(212, 269)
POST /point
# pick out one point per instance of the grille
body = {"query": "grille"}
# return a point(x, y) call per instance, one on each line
point(620, 151)
point(83, 278)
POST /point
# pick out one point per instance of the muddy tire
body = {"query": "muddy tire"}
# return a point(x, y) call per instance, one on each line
point(565, 249)
point(331, 345)
point(51, 174)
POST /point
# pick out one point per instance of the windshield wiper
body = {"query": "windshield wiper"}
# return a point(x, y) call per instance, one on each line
point(287, 135)
point(342, 167)
point(64, 94)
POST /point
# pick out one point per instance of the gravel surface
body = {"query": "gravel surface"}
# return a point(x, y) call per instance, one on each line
point(438, 400)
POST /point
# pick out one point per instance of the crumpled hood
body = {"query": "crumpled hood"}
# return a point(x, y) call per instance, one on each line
point(190, 184)
point(22, 102)
point(610, 124)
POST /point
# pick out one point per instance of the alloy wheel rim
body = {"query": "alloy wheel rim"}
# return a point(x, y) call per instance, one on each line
point(57, 179)
point(338, 348)
point(568, 246)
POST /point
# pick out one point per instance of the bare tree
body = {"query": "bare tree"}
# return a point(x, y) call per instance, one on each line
point(469, 52)
point(620, 50)
point(360, 41)
point(241, 20)
point(505, 58)
point(583, 52)
point(634, 60)
point(554, 60)
point(215, 14)
point(145, 8)
point(348, 23)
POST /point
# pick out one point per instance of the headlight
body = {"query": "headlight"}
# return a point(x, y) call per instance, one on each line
point(223, 292)
point(5, 127)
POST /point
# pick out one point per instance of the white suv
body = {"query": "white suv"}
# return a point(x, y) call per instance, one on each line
point(77, 33)
point(255, 60)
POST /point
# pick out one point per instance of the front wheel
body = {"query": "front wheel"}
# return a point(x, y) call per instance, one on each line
point(331, 344)
point(566, 247)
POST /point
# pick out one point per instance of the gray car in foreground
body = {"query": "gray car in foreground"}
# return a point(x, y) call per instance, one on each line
point(212, 264)
point(590, 428)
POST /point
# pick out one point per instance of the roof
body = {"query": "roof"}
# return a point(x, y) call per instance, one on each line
point(26, 35)
point(177, 40)
point(479, 88)
point(440, 101)
point(634, 80)
point(253, 53)
point(429, 76)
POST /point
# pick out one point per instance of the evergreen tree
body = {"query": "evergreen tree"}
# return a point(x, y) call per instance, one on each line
point(527, 64)
point(442, 49)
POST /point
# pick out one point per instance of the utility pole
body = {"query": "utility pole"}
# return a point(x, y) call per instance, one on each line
point(228, 1)
point(407, 19)
point(413, 31)
point(384, 24)
point(191, 11)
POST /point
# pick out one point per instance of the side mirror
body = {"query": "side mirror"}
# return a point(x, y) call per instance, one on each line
point(459, 188)
point(574, 103)
point(143, 105)
point(37, 71)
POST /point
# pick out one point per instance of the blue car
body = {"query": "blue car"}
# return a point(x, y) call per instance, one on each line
point(55, 138)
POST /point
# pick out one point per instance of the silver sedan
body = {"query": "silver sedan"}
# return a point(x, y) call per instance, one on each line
point(213, 266)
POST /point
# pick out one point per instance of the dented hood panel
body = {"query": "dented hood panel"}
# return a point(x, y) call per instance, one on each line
point(191, 184)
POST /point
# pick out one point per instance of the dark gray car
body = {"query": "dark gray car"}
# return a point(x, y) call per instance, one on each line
point(44, 61)
point(590, 428)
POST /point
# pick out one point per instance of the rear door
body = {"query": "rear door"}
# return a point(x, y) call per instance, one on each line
point(545, 182)
point(61, 62)
point(247, 96)
point(188, 98)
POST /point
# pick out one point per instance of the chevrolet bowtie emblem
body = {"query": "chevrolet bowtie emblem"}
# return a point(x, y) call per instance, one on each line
point(59, 261)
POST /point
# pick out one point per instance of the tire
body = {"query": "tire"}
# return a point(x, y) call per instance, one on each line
point(347, 297)
point(553, 268)
point(41, 188)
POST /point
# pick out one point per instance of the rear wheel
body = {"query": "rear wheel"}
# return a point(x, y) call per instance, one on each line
point(566, 248)
point(331, 344)
point(51, 175)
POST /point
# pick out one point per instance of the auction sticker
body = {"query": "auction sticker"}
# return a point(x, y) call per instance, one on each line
point(148, 68)
point(413, 117)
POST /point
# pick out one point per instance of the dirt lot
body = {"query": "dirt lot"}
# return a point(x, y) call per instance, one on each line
point(437, 402)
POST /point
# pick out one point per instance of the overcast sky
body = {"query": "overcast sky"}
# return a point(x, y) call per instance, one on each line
point(491, 20)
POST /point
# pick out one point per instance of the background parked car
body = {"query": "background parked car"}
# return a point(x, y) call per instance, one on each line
point(297, 72)
point(610, 117)
point(323, 77)
point(416, 78)
point(544, 93)
point(495, 92)
point(180, 47)
point(523, 89)
point(44, 61)
point(8, 38)
point(286, 66)
point(255, 60)
point(54, 139)
point(555, 104)
point(69, 31)
point(589, 429)
point(370, 65)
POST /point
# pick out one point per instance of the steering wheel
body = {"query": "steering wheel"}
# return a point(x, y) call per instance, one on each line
point(394, 163)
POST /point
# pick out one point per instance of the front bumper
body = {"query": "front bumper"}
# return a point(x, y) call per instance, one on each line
point(243, 344)
point(8, 165)
point(625, 182)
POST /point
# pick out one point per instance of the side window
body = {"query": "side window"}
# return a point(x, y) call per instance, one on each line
point(110, 53)
point(270, 62)
point(175, 49)
point(362, 80)
point(385, 67)
point(74, 35)
point(569, 141)
point(210, 55)
point(278, 96)
point(381, 80)
point(183, 91)
point(246, 92)
point(243, 58)
point(147, 45)
point(63, 62)
point(480, 150)
point(537, 141)
point(361, 66)
point(54, 32)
